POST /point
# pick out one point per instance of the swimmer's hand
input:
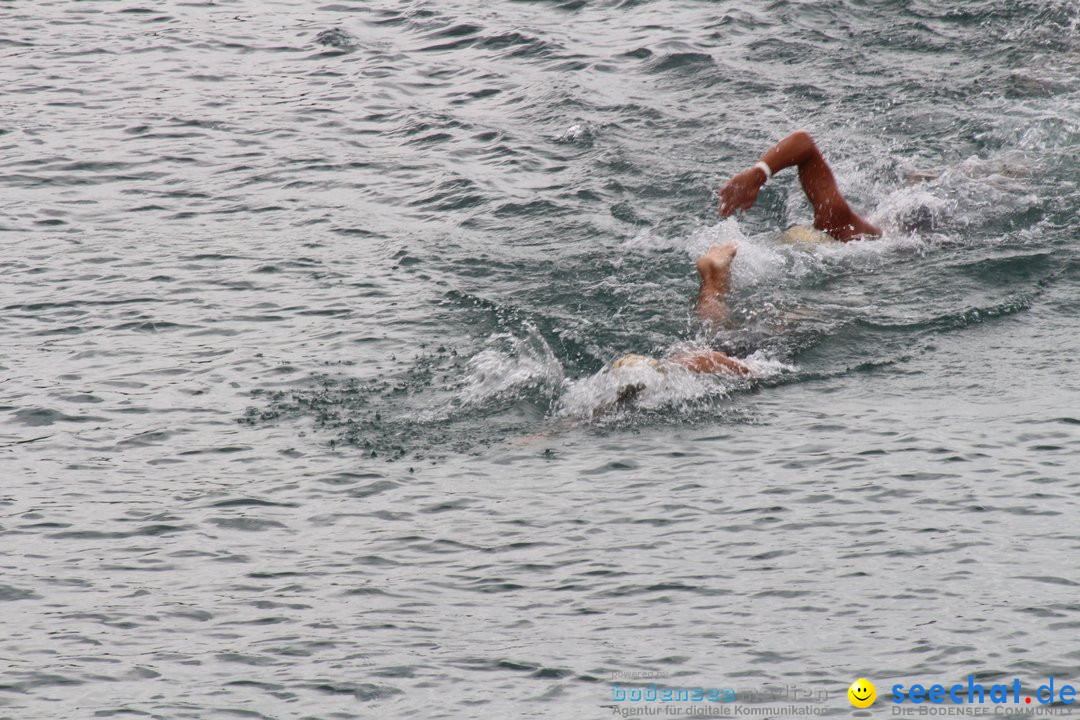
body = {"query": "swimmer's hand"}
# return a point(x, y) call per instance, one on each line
point(741, 191)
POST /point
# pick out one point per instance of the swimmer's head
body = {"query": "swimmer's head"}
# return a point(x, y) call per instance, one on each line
point(631, 367)
point(637, 361)
point(805, 235)
point(627, 393)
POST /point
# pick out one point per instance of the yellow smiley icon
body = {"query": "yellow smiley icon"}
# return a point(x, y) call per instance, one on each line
point(862, 693)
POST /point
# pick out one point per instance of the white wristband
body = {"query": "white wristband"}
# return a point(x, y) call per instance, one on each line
point(764, 168)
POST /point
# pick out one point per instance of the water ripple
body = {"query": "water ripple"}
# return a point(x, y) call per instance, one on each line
point(307, 310)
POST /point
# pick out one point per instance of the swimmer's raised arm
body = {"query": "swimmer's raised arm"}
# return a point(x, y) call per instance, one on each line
point(832, 214)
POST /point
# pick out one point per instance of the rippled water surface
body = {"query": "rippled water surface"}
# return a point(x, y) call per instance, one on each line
point(305, 311)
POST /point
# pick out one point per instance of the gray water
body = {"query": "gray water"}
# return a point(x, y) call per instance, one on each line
point(305, 308)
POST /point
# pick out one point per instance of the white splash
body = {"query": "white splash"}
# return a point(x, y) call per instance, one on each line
point(667, 387)
point(513, 365)
point(578, 132)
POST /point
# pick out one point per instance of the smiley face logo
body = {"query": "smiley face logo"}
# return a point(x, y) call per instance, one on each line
point(862, 693)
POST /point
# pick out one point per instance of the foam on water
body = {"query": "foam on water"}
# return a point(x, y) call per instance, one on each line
point(583, 133)
point(763, 260)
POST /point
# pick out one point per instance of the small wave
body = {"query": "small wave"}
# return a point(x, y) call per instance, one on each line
point(338, 38)
point(459, 30)
point(456, 37)
point(676, 61)
point(954, 318)
point(581, 133)
point(517, 44)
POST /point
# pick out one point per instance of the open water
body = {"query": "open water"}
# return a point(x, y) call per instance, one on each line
point(304, 312)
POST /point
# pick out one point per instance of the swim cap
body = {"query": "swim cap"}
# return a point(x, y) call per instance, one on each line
point(636, 361)
point(801, 234)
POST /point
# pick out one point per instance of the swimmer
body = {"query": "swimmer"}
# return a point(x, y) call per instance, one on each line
point(832, 214)
point(633, 373)
point(714, 267)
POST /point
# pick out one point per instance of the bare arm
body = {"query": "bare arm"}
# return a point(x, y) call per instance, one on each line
point(832, 214)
